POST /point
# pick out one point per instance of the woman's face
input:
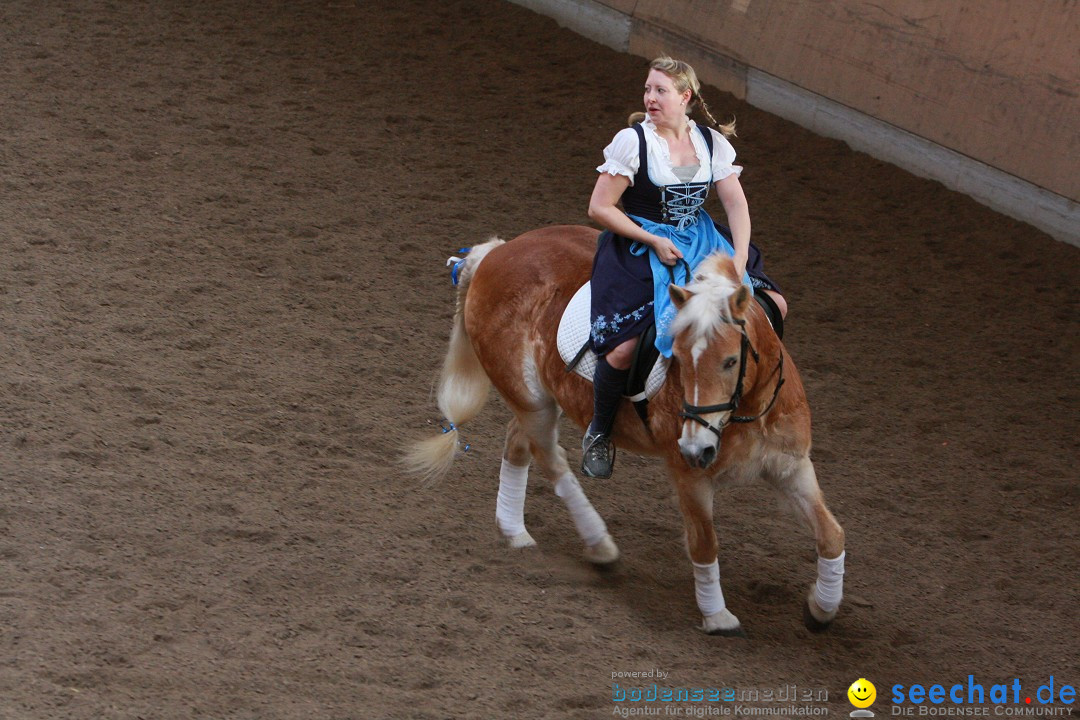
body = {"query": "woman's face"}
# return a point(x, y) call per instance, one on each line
point(665, 105)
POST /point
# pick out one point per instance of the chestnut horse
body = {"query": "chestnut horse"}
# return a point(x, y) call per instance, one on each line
point(732, 408)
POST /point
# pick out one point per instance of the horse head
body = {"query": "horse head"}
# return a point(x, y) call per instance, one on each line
point(712, 346)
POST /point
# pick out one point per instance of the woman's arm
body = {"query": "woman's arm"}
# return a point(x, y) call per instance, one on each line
point(738, 216)
point(602, 209)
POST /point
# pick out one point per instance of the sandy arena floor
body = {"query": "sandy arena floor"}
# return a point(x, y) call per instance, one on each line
point(223, 305)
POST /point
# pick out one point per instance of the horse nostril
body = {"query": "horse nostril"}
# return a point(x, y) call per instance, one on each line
point(707, 456)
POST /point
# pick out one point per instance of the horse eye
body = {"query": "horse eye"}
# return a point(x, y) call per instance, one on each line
point(730, 363)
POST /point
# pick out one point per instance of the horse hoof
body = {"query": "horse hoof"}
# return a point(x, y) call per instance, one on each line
point(815, 619)
point(722, 623)
point(521, 541)
point(602, 553)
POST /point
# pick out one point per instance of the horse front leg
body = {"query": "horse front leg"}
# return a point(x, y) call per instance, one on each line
point(695, 493)
point(800, 486)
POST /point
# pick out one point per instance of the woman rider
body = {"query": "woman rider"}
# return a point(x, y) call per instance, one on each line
point(660, 168)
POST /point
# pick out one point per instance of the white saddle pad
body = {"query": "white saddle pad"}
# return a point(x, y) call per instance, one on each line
point(574, 331)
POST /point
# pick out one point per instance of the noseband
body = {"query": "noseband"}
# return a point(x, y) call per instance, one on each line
point(694, 412)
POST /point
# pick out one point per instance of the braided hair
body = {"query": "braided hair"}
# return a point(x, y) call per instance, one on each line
point(684, 78)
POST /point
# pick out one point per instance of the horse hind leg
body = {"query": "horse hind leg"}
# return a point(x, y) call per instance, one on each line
point(542, 429)
point(513, 480)
point(801, 489)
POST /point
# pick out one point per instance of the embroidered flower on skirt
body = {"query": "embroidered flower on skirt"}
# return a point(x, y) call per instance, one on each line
point(604, 327)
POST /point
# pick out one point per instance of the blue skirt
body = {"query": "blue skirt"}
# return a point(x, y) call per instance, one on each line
point(622, 293)
point(622, 289)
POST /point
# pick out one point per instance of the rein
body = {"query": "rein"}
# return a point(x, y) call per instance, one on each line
point(694, 412)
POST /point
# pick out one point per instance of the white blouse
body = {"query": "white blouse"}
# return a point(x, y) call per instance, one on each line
point(621, 156)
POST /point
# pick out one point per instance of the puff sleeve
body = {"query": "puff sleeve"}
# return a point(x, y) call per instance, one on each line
point(621, 155)
point(723, 158)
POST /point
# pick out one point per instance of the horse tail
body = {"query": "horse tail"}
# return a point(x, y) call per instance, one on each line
point(463, 385)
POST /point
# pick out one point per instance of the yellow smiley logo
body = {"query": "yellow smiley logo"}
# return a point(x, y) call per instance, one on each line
point(862, 693)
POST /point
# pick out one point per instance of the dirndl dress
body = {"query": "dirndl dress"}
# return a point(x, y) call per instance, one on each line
point(623, 289)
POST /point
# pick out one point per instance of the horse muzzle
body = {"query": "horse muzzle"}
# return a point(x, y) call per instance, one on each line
point(698, 454)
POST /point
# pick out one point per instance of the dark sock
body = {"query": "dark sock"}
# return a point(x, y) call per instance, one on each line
point(609, 385)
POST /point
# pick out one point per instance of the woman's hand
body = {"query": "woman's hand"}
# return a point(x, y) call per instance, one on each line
point(740, 265)
point(665, 250)
point(602, 208)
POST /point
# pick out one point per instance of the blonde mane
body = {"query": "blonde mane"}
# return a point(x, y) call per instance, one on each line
point(709, 305)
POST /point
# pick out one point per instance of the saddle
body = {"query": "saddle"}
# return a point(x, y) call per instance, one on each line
point(648, 370)
point(646, 374)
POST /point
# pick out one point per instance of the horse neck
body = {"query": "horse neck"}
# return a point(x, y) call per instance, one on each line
point(761, 377)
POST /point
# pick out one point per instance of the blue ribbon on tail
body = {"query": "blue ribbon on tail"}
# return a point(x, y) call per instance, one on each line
point(454, 427)
point(456, 266)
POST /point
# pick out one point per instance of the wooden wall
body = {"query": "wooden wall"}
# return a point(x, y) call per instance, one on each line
point(994, 81)
point(997, 80)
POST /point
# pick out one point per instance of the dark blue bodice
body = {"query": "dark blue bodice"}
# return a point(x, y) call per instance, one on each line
point(676, 204)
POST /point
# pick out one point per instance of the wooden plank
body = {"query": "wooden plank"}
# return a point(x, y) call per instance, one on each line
point(1048, 211)
point(980, 95)
point(626, 7)
point(976, 77)
point(712, 68)
point(597, 21)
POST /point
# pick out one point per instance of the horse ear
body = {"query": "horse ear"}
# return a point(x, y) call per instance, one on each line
point(679, 295)
point(740, 300)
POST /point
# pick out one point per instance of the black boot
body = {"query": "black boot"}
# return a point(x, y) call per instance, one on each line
point(608, 387)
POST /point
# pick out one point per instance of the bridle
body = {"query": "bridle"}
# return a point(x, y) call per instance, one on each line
point(694, 412)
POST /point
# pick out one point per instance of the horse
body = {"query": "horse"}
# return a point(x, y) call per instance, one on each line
point(732, 408)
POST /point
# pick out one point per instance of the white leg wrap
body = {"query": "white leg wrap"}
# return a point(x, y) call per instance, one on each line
point(830, 582)
point(590, 525)
point(710, 598)
point(510, 506)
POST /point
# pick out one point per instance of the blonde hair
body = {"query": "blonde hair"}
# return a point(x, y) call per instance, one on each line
point(684, 78)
